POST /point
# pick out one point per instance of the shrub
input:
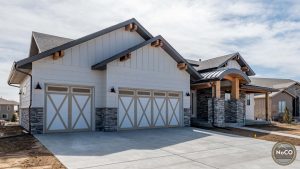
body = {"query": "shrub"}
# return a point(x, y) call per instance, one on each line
point(287, 116)
point(14, 118)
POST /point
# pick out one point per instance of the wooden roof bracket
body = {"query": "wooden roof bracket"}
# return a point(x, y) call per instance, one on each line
point(131, 27)
point(182, 66)
point(58, 55)
point(125, 57)
point(157, 43)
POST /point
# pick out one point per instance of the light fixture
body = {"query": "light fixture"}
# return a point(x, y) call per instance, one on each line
point(112, 90)
point(38, 86)
point(187, 93)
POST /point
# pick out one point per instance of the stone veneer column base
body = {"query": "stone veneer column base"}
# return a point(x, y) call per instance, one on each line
point(106, 119)
point(36, 119)
point(187, 117)
point(216, 112)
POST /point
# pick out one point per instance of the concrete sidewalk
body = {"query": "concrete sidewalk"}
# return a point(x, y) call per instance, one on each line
point(269, 132)
point(173, 148)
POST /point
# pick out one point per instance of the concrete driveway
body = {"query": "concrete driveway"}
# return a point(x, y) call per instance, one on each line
point(161, 148)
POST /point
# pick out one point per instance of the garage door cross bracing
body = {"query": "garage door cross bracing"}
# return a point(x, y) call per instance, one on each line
point(148, 108)
point(68, 108)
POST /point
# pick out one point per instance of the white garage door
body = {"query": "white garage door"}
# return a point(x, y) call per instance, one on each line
point(68, 108)
point(148, 108)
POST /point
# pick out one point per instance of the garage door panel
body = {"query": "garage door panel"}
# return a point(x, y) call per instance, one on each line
point(126, 112)
point(58, 110)
point(80, 111)
point(159, 112)
point(173, 111)
point(143, 112)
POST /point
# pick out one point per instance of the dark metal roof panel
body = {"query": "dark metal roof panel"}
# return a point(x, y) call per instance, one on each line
point(219, 74)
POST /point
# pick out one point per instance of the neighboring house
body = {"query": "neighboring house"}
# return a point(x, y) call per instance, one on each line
point(124, 78)
point(7, 109)
point(287, 96)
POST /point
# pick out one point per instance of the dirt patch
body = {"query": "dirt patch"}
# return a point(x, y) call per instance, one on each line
point(25, 151)
point(280, 127)
point(257, 135)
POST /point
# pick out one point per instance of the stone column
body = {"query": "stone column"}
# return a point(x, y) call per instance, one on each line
point(216, 112)
point(106, 119)
point(187, 117)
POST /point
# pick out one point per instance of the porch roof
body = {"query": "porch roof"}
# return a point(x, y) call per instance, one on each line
point(257, 89)
point(219, 74)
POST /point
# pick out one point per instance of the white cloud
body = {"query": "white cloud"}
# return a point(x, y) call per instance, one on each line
point(197, 29)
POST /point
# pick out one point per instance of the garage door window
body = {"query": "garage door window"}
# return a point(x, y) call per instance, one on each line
point(126, 92)
point(159, 94)
point(81, 90)
point(143, 93)
point(57, 89)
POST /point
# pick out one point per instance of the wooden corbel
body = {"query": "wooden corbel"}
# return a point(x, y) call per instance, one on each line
point(131, 27)
point(157, 43)
point(125, 57)
point(182, 66)
point(58, 55)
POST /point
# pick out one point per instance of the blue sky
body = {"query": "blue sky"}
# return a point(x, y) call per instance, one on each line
point(266, 33)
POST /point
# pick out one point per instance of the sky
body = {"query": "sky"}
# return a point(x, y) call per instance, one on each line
point(265, 33)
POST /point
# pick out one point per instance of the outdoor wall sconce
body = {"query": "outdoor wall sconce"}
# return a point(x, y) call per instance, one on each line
point(112, 90)
point(20, 92)
point(38, 86)
point(187, 93)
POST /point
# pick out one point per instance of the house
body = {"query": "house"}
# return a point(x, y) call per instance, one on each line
point(7, 109)
point(124, 78)
point(287, 96)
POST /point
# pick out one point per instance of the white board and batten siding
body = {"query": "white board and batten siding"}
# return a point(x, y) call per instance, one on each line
point(250, 108)
point(75, 67)
point(25, 93)
point(148, 68)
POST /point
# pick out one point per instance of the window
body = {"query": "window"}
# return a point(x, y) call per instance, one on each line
point(248, 100)
point(8, 108)
point(227, 96)
point(4, 116)
point(281, 106)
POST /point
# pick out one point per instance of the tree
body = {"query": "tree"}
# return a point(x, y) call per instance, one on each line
point(287, 116)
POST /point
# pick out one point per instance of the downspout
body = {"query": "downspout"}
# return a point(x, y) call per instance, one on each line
point(30, 101)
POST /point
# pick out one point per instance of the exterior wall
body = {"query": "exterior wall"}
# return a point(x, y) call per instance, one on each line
point(295, 90)
point(281, 97)
point(25, 93)
point(75, 67)
point(148, 68)
point(36, 119)
point(259, 108)
point(233, 64)
point(250, 108)
point(9, 113)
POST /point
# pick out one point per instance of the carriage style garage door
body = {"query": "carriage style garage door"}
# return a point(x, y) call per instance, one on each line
point(68, 108)
point(149, 108)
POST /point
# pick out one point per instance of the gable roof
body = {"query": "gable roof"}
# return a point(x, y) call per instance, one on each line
point(166, 46)
point(45, 41)
point(273, 82)
point(7, 102)
point(26, 63)
point(218, 62)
